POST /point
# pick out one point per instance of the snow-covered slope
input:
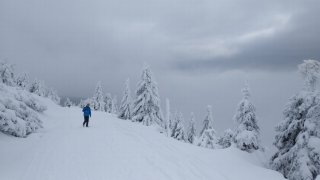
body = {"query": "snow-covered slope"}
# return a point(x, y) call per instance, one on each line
point(114, 149)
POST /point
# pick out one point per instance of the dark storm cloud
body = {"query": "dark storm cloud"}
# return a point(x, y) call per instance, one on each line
point(279, 47)
point(188, 34)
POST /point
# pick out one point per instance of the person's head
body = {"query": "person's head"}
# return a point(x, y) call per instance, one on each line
point(88, 105)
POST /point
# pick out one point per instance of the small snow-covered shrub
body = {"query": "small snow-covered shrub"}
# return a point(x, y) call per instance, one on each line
point(19, 112)
point(227, 139)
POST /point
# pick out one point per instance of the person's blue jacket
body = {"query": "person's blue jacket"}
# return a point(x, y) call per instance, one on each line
point(86, 111)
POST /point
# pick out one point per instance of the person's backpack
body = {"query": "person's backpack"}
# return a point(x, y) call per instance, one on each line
point(86, 111)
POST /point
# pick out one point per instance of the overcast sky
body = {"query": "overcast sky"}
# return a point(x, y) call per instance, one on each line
point(200, 51)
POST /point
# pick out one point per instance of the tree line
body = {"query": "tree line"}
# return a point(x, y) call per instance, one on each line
point(297, 136)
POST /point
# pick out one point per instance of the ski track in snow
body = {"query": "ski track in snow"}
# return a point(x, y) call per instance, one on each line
point(114, 149)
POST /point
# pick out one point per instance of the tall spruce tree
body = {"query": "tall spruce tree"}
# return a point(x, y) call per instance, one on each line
point(247, 134)
point(125, 107)
point(298, 134)
point(97, 99)
point(146, 106)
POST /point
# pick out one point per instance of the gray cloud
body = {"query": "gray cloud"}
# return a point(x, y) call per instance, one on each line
point(280, 45)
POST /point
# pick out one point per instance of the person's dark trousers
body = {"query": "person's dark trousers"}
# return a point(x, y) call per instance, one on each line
point(86, 121)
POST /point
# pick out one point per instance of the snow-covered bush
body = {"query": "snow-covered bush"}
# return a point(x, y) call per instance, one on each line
point(97, 99)
point(298, 135)
point(146, 106)
point(125, 108)
point(23, 81)
point(247, 135)
point(37, 88)
point(226, 139)
point(19, 112)
point(7, 75)
point(178, 129)
point(191, 131)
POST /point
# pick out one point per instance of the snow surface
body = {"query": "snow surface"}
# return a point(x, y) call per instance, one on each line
point(114, 149)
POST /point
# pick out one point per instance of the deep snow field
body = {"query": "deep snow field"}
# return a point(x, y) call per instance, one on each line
point(114, 149)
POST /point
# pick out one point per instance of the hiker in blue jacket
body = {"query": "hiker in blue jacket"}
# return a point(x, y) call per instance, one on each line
point(86, 113)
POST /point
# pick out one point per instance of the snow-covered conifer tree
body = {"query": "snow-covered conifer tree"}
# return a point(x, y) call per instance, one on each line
point(125, 108)
point(146, 106)
point(227, 139)
point(178, 129)
point(36, 87)
point(115, 105)
point(7, 75)
point(298, 135)
point(168, 123)
point(108, 103)
point(68, 103)
point(209, 139)
point(23, 81)
point(53, 95)
point(81, 104)
point(208, 120)
point(247, 136)
point(208, 136)
point(98, 99)
point(191, 131)
point(310, 72)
